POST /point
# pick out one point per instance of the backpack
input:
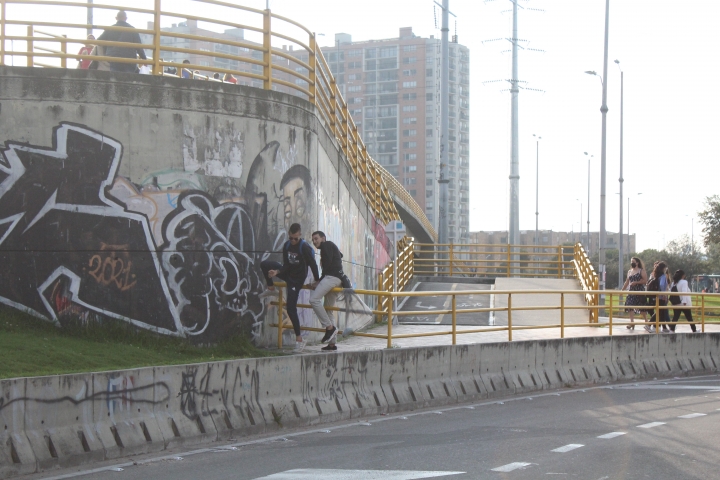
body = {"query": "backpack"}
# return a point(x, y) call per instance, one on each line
point(674, 299)
point(302, 242)
point(653, 285)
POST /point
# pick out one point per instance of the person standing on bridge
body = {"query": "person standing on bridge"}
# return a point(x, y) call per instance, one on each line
point(332, 277)
point(125, 36)
point(681, 303)
point(298, 256)
point(635, 282)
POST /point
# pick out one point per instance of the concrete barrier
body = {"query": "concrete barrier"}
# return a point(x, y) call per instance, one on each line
point(183, 415)
point(548, 363)
point(465, 371)
point(360, 380)
point(575, 362)
point(623, 357)
point(521, 367)
point(321, 387)
point(493, 365)
point(434, 375)
point(122, 409)
point(600, 358)
point(59, 421)
point(399, 381)
point(16, 455)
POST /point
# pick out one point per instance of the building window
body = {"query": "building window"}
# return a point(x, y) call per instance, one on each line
point(429, 97)
point(354, 65)
point(409, 144)
point(355, 88)
point(409, 96)
point(410, 120)
point(409, 108)
point(409, 73)
point(409, 133)
point(355, 100)
point(409, 84)
point(409, 60)
point(429, 132)
point(388, 52)
point(413, 193)
point(409, 48)
point(429, 72)
point(411, 168)
point(429, 182)
point(429, 144)
point(354, 53)
point(354, 76)
point(411, 156)
point(410, 181)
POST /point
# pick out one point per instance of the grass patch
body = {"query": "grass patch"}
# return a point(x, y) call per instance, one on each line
point(32, 347)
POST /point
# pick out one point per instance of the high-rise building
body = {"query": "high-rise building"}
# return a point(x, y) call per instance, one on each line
point(392, 88)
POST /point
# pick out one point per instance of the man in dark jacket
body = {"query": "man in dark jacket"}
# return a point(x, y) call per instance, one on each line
point(298, 256)
point(332, 273)
point(122, 52)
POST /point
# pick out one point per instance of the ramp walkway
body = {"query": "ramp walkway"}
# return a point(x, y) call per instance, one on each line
point(539, 317)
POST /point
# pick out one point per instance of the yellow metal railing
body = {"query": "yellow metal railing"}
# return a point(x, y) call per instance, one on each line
point(301, 71)
point(404, 271)
point(588, 279)
point(493, 260)
point(387, 313)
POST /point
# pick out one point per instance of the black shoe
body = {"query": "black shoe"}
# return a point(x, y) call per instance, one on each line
point(328, 334)
point(329, 348)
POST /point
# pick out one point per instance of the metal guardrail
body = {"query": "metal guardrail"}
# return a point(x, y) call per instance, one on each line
point(588, 279)
point(404, 271)
point(387, 312)
point(303, 71)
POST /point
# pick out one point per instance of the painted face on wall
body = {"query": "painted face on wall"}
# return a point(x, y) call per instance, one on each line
point(295, 187)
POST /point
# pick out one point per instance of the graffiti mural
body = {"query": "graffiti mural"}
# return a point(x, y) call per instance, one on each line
point(176, 251)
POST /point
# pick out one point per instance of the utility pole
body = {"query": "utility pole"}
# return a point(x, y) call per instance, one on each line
point(514, 229)
point(621, 180)
point(444, 126)
point(90, 17)
point(603, 155)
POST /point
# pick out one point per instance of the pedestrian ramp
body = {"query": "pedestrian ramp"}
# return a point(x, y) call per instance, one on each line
point(530, 300)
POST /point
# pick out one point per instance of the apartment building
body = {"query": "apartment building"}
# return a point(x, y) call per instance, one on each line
point(552, 238)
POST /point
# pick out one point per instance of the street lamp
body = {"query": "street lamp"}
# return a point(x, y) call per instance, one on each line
point(621, 180)
point(581, 210)
point(639, 193)
point(588, 208)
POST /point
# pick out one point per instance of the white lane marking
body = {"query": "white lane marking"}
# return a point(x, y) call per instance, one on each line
point(327, 474)
point(612, 435)
point(446, 305)
point(692, 415)
point(651, 425)
point(567, 448)
point(511, 466)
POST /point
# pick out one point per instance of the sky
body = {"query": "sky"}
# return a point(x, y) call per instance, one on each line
point(667, 51)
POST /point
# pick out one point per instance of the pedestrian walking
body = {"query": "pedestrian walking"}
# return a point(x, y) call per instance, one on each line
point(682, 303)
point(125, 36)
point(332, 275)
point(84, 63)
point(298, 256)
point(658, 283)
point(635, 282)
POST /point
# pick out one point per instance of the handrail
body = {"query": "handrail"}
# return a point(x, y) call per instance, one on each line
point(388, 313)
point(318, 86)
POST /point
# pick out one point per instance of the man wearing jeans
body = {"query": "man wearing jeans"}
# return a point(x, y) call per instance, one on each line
point(331, 263)
point(298, 256)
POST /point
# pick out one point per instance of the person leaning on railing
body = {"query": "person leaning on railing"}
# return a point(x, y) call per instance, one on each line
point(122, 52)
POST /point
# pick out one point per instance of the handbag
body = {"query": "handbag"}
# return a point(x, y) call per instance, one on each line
point(675, 299)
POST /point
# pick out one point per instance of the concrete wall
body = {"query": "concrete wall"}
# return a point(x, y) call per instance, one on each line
point(60, 421)
point(153, 200)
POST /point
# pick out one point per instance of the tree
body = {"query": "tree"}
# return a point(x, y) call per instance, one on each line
point(710, 218)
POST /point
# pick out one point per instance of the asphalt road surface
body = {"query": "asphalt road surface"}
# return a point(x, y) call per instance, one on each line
point(665, 429)
point(427, 305)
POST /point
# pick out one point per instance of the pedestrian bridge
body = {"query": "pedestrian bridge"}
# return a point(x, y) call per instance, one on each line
point(152, 199)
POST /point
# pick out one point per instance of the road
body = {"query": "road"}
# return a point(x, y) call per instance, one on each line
point(428, 305)
point(665, 429)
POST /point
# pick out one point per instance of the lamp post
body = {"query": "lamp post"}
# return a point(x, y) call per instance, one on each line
point(588, 206)
point(537, 187)
point(581, 210)
point(621, 180)
point(639, 193)
point(90, 17)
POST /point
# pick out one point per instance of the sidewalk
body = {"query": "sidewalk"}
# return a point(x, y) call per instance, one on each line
point(355, 343)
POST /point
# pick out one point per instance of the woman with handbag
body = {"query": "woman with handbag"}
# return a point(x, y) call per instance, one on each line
point(681, 303)
point(635, 282)
point(658, 283)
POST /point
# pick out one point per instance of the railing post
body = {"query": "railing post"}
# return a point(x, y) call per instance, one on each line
point(657, 313)
point(508, 261)
point(63, 49)
point(267, 50)
point(30, 47)
point(454, 318)
point(389, 315)
point(560, 261)
point(702, 313)
point(157, 68)
point(562, 315)
point(509, 317)
point(280, 317)
point(312, 60)
point(381, 298)
point(610, 315)
point(2, 32)
point(596, 311)
point(451, 258)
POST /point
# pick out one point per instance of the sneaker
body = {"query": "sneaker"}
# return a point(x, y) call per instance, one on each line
point(329, 334)
point(268, 293)
point(648, 329)
point(329, 348)
point(300, 346)
point(333, 335)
